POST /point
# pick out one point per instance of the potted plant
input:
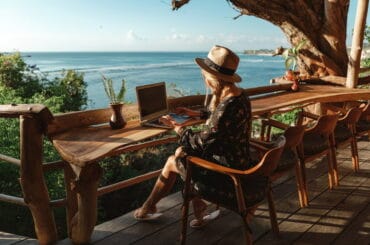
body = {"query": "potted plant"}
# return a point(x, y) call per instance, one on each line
point(116, 102)
point(291, 58)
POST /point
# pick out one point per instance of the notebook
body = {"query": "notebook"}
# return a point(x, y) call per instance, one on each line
point(152, 105)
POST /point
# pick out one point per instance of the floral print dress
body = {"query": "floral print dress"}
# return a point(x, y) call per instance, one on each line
point(225, 140)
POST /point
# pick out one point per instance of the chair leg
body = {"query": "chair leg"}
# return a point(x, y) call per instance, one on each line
point(185, 206)
point(355, 158)
point(301, 186)
point(185, 211)
point(335, 168)
point(247, 231)
point(330, 170)
point(272, 211)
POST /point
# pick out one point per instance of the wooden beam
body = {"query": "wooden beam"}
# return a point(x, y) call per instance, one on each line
point(357, 41)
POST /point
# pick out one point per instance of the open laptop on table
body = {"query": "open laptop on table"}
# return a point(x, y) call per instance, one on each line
point(152, 104)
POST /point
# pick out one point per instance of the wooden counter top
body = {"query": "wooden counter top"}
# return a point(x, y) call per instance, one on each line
point(267, 104)
point(81, 146)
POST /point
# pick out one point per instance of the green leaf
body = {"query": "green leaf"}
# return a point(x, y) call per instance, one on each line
point(301, 44)
point(290, 63)
point(121, 94)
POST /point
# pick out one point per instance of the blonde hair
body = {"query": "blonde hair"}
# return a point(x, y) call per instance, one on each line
point(220, 88)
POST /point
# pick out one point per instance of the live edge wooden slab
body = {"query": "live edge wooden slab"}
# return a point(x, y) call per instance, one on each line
point(270, 103)
point(81, 146)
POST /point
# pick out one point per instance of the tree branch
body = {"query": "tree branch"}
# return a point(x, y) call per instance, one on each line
point(176, 4)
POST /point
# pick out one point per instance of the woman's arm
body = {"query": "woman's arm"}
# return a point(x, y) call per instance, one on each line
point(203, 114)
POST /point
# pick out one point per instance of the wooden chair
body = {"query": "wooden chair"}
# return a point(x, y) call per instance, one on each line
point(251, 186)
point(363, 124)
point(345, 130)
point(289, 159)
point(318, 140)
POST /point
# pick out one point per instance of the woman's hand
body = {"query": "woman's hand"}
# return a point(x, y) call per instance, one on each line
point(187, 111)
point(167, 120)
point(178, 129)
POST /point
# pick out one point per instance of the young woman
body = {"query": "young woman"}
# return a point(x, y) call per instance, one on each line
point(224, 139)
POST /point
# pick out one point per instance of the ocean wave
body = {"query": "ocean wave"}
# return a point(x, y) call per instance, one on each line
point(253, 60)
point(260, 61)
point(93, 69)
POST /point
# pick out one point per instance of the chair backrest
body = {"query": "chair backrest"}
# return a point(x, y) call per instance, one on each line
point(293, 136)
point(324, 126)
point(365, 112)
point(270, 159)
point(352, 116)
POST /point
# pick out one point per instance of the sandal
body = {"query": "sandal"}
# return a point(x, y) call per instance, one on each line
point(197, 224)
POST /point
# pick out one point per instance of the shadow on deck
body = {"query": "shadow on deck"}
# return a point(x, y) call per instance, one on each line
point(339, 216)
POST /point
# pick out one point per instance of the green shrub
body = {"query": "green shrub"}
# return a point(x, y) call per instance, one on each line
point(19, 83)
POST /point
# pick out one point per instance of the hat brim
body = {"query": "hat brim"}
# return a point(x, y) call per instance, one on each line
point(235, 78)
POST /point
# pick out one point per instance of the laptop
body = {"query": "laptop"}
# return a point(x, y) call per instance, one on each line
point(152, 105)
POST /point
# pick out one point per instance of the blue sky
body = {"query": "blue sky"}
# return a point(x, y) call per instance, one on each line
point(133, 25)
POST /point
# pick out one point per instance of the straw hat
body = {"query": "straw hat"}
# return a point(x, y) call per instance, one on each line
point(222, 63)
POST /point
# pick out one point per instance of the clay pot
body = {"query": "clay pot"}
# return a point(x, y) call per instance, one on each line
point(116, 120)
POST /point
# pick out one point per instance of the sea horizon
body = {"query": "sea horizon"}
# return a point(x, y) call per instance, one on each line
point(176, 68)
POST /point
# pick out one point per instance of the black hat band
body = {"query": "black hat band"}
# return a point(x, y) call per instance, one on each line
point(223, 70)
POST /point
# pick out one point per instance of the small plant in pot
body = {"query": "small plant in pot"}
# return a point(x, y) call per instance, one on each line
point(291, 58)
point(116, 102)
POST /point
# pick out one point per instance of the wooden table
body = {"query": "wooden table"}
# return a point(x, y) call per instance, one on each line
point(273, 102)
point(83, 146)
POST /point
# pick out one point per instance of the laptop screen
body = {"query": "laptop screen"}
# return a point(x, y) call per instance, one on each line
point(152, 100)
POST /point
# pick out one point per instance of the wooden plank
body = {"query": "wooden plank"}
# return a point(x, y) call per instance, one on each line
point(359, 231)
point(82, 146)
point(295, 221)
point(130, 230)
point(29, 241)
point(333, 223)
point(8, 239)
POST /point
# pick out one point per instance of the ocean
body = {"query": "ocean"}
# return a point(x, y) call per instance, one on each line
point(177, 69)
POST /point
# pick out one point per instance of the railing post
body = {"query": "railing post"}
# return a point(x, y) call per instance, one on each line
point(32, 179)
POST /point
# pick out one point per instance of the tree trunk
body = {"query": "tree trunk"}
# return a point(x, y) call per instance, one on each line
point(323, 23)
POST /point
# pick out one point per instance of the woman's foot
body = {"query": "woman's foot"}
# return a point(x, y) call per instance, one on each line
point(199, 207)
point(145, 213)
point(201, 216)
point(199, 223)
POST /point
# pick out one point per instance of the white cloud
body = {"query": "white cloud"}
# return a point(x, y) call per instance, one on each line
point(176, 36)
point(132, 36)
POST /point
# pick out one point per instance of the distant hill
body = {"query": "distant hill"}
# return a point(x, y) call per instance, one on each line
point(259, 51)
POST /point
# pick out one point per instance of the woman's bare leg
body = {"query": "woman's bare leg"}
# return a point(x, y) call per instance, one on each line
point(162, 186)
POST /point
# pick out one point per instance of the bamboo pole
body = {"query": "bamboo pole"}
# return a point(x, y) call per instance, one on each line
point(32, 180)
point(357, 41)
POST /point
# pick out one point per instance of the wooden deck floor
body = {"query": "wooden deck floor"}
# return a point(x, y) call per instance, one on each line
point(339, 216)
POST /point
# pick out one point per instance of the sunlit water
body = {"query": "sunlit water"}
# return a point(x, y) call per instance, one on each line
point(177, 69)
